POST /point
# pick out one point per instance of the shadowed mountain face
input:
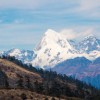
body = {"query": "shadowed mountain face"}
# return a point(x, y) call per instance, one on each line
point(97, 61)
point(82, 69)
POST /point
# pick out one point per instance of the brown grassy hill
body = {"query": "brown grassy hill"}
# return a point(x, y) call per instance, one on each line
point(20, 94)
point(11, 90)
point(15, 73)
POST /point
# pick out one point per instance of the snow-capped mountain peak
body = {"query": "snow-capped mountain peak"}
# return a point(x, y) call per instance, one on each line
point(50, 32)
point(52, 49)
point(14, 52)
point(26, 56)
point(52, 37)
point(48, 37)
point(89, 43)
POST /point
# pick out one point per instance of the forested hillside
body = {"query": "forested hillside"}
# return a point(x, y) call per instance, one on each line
point(16, 76)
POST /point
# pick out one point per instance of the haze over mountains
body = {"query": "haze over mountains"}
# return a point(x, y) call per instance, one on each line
point(54, 51)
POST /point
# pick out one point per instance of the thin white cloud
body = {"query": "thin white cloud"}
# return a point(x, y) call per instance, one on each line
point(87, 32)
point(87, 8)
point(89, 4)
point(72, 34)
point(82, 4)
point(23, 4)
point(20, 4)
point(68, 33)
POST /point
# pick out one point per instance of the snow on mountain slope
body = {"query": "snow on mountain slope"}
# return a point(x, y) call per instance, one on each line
point(89, 47)
point(88, 44)
point(24, 55)
point(90, 56)
point(53, 49)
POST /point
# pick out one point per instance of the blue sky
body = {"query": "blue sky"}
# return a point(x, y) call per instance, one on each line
point(23, 22)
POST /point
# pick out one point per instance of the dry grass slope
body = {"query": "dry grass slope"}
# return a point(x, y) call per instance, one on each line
point(22, 84)
point(19, 94)
point(13, 71)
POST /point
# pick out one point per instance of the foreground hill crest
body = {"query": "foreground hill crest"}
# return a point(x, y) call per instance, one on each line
point(18, 80)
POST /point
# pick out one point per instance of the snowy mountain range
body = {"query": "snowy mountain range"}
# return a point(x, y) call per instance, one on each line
point(64, 56)
point(55, 48)
point(24, 55)
point(89, 44)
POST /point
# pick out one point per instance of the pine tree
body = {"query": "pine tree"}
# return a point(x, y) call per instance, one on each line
point(28, 83)
point(20, 81)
